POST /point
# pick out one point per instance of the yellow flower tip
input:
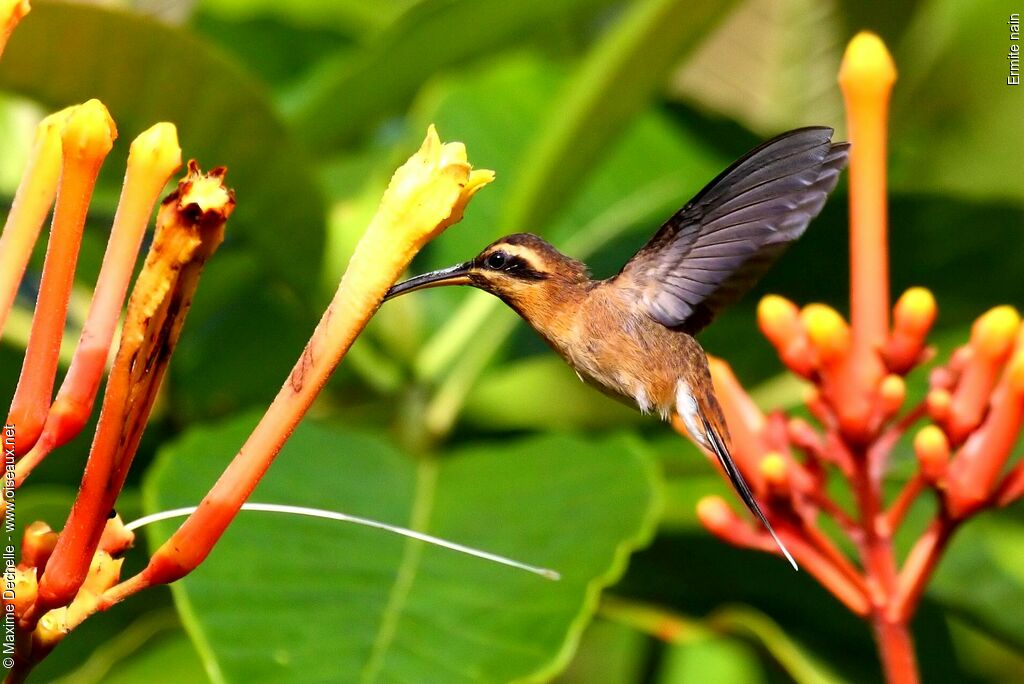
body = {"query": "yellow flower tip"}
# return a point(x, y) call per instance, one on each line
point(867, 65)
point(89, 132)
point(156, 150)
point(11, 12)
point(915, 310)
point(828, 331)
point(714, 513)
point(994, 333)
point(773, 468)
point(892, 391)
point(14, 10)
point(776, 316)
point(931, 447)
point(938, 402)
point(478, 178)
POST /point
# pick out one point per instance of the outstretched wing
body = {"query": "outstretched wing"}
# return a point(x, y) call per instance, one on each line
point(714, 249)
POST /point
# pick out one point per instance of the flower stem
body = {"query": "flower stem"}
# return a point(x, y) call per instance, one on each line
point(896, 647)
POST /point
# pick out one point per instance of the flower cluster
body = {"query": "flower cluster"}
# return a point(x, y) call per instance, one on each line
point(965, 427)
point(64, 577)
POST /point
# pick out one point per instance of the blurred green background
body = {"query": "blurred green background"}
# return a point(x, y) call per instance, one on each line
point(449, 415)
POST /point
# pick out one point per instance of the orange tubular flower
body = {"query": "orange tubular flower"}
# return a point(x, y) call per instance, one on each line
point(32, 203)
point(88, 135)
point(992, 340)
point(425, 196)
point(153, 157)
point(866, 77)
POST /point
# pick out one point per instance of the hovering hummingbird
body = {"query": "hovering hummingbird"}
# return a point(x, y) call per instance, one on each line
point(631, 335)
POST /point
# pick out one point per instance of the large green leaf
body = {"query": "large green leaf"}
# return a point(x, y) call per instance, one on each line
point(771, 66)
point(618, 80)
point(980, 575)
point(145, 72)
point(349, 604)
point(956, 125)
point(432, 35)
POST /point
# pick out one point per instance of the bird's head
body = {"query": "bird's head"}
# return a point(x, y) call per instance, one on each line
point(522, 269)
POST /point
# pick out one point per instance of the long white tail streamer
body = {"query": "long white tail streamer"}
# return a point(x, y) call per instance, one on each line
point(367, 522)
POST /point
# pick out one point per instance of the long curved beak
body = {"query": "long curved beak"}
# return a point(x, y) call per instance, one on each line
point(453, 275)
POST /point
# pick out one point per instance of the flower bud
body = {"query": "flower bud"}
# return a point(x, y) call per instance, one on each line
point(156, 150)
point(828, 332)
point(891, 394)
point(932, 449)
point(994, 333)
point(773, 468)
point(938, 402)
point(37, 544)
point(89, 132)
point(913, 316)
point(714, 513)
point(867, 69)
point(915, 312)
point(779, 320)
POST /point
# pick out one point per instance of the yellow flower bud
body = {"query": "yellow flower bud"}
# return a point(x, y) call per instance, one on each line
point(828, 331)
point(714, 513)
point(89, 132)
point(777, 317)
point(867, 67)
point(939, 402)
point(915, 311)
point(892, 392)
point(992, 335)
point(156, 150)
point(932, 449)
point(773, 467)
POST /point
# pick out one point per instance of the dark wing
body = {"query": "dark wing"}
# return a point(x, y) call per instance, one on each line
point(714, 249)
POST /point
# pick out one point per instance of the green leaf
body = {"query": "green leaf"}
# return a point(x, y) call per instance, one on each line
point(711, 660)
point(968, 139)
point(390, 609)
point(557, 400)
point(432, 35)
point(608, 652)
point(154, 648)
point(146, 72)
point(980, 575)
point(771, 66)
point(618, 79)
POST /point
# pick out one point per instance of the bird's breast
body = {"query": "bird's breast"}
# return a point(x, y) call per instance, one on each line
point(623, 352)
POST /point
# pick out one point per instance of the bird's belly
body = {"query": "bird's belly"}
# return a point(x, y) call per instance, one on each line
point(621, 376)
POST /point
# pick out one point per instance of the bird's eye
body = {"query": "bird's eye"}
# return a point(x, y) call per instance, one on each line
point(496, 260)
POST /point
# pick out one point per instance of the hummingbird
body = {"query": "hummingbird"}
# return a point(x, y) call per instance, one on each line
point(631, 336)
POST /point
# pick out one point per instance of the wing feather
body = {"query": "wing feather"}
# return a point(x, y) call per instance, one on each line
point(714, 249)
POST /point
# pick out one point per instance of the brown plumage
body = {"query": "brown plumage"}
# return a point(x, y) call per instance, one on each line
point(631, 336)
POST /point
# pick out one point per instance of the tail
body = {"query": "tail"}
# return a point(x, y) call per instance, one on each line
point(741, 486)
point(702, 429)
